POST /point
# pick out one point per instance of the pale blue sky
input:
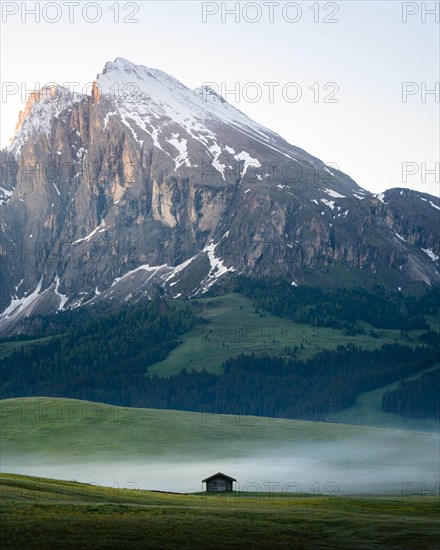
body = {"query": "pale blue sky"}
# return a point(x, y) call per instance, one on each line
point(369, 133)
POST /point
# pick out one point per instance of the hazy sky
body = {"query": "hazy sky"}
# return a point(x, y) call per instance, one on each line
point(340, 69)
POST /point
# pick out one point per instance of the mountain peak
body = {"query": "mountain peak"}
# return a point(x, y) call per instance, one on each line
point(46, 93)
point(151, 101)
point(123, 70)
point(41, 107)
point(214, 193)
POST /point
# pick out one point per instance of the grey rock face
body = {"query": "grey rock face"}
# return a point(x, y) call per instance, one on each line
point(147, 186)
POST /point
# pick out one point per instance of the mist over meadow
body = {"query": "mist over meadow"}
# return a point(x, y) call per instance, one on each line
point(381, 462)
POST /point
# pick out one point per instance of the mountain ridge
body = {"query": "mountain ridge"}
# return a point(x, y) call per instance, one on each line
point(148, 187)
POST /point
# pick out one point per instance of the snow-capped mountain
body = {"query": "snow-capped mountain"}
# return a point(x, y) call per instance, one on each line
point(147, 186)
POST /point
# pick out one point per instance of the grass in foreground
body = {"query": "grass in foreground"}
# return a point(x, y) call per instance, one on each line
point(47, 513)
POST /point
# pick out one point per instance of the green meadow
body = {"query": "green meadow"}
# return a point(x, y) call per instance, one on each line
point(233, 327)
point(48, 513)
point(175, 450)
point(72, 429)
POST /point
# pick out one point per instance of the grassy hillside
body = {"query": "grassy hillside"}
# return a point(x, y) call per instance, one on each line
point(236, 328)
point(367, 411)
point(174, 450)
point(46, 513)
point(48, 426)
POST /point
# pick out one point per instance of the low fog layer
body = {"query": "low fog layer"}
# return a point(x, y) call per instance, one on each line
point(376, 463)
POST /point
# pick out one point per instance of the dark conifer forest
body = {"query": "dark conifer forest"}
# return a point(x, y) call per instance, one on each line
point(105, 357)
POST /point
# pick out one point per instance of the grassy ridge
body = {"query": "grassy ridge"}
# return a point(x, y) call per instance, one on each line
point(48, 426)
point(46, 513)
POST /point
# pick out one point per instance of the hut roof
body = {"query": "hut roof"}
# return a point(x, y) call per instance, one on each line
point(219, 474)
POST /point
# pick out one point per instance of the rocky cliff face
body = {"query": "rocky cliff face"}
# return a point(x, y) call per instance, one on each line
point(147, 185)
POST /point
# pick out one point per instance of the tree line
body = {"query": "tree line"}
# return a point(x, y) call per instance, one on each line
point(418, 399)
point(104, 355)
point(341, 308)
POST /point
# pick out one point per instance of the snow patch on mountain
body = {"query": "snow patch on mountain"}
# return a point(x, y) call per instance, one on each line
point(107, 117)
point(330, 204)
point(179, 268)
point(217, 267)
point(146, 267)
point(431, 254)
point(216, 151)
point(334, 194)
point(101, 228)
point(5, 195)
point(248, 161)
point(18, 305)
point(380, 197)
point(181, 147)
point(63, 298)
